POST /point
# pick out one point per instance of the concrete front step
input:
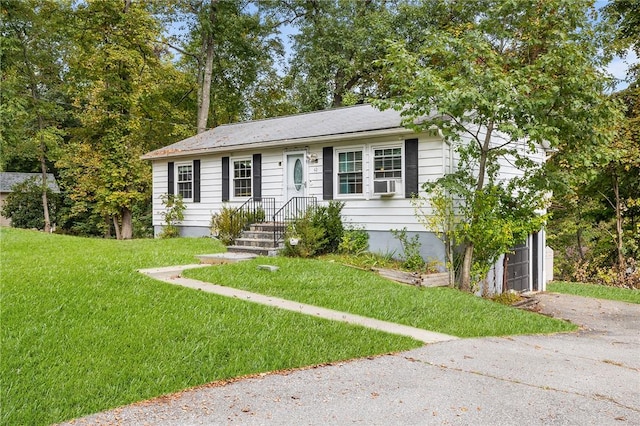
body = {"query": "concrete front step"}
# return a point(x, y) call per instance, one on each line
point(222, 258)
point(267, 227)
point(255, 242)
point(260, 235)
point(258, 239)
point(260, 251)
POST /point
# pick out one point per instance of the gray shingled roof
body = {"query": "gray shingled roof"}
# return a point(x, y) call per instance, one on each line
point(276, 131)
point(9, 179)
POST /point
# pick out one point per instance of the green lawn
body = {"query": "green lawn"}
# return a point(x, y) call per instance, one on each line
point(82, 331)
point(339, 287)
point(596, 291)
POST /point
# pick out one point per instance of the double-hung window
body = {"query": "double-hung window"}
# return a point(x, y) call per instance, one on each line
point(242, 178)
point(185, 181)
point(387, 163)
point(350, 172)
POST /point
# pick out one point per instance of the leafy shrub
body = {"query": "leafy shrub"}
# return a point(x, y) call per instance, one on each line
point(143, 219)
point(329, 219)
point(591, 273)
point(173, 215)
point(225, 226)
point(228, 224)
point(310, 237)
point(24, 205)
point(411, 257)
point(354, 241)
point(254, 216)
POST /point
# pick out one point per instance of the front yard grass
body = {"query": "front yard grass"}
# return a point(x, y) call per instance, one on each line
point(82, 331)
point(595, 291)
point(339, 287)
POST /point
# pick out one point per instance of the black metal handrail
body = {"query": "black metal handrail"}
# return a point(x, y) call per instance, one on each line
point(254, 210)
point(293, 209)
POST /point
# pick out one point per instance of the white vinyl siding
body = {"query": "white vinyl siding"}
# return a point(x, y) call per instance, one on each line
point(371, 211)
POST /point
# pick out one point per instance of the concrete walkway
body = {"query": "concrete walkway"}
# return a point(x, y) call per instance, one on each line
point(173, 275)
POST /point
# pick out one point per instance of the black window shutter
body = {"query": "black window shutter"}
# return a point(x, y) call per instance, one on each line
point(410, 167)
point(196, 181)
point(225, 178)
point(327, 173)
point(170, 178)
point(256, 167)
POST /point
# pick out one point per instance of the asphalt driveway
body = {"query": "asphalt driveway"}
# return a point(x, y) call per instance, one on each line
point(591, 377)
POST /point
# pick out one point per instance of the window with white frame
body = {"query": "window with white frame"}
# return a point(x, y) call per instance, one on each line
point(185, 180)
point(350, 179)
point(242, 178)
point(387, 163)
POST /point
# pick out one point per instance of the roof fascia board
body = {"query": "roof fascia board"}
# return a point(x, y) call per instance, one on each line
point(396, 131)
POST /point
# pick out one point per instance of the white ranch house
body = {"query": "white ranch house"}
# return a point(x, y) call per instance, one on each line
point(359, 155)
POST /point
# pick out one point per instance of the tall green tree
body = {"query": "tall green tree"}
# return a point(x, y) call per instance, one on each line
point(32, 104)
point(229, 48)
point(523, 73)
point(625, 16)
point(597, 210)
point(334, 50)
point(113, 69)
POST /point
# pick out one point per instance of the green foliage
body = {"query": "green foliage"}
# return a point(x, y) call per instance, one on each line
point(509, 77)
point(595, 227)
point(309, 238)
point(173, 215)
point(143, 220)
point(318, 231)
point(234, 47)
point(334, 51)
point(355, 240)
point(226, 225)
point(495, 218)
point(33, 88)
point(411, 257)
point(329, 219)
point(24, 205)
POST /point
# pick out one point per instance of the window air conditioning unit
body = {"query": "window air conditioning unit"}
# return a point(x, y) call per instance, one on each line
point(384, 187)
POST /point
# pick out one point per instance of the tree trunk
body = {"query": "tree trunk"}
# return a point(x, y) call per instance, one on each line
point(467, 262)
point(579, 242)
point(619, 233)
point(43, 169)
point(204, 91)
point(127, 224)
point(33, 87)
point(116, 226)
point(465, 273)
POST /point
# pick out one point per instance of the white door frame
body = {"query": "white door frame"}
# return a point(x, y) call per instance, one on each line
point(288, 193)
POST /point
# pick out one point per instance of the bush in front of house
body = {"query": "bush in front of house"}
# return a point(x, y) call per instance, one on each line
point(355, 240)
point(329, 218)
point(318, 231)
point(173, 215)
point(411, 257)
point(225, 226)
